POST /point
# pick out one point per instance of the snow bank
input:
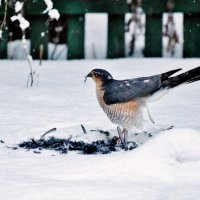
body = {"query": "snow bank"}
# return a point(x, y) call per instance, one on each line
point(170, 155)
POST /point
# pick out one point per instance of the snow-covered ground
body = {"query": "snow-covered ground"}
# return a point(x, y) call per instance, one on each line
point(164, 167)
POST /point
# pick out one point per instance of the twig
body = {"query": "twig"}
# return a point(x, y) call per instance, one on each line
point(30, 66)
point(84, 130)
point(101, 131)
point(54, 51)
point(27, 83)
point(49, 131)
point(41, 53)
point(5, 16)
point(41, 36)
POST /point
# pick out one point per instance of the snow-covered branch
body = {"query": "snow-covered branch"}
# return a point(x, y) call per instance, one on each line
point(53, 13)
point(23, 23)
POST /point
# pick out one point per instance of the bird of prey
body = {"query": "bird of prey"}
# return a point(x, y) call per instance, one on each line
point(123, 100)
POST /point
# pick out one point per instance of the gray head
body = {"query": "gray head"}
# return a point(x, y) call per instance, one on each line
point(100, 75)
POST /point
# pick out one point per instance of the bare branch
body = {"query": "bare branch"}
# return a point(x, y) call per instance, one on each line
point(3, 24)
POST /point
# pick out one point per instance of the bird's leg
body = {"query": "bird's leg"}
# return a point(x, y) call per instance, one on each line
point(125, 139)
point(120, 134)
point(153, 122)
point(149, 114)
point(123, 136)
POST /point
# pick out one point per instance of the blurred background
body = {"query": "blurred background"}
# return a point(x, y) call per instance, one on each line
point(98, 29)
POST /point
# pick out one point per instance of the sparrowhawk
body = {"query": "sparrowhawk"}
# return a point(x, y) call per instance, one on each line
point(123, 100)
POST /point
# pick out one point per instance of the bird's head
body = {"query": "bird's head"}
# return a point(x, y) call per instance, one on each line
point(99, 76)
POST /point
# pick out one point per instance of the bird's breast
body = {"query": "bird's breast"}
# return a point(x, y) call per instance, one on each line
point(123, 114)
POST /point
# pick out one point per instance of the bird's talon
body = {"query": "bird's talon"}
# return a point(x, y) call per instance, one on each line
point(123, 136)
point(120, 134)
point(125, 139)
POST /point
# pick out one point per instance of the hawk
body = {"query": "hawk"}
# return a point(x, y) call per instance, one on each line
point(123, 100)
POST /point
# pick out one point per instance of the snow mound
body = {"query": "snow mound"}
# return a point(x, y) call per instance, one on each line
point(178, 145)
point(172, 156)
point(168, 156)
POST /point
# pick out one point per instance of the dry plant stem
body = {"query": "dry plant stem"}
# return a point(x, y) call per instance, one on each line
point(38, 41)
point(54, 51)
point(49, 131)
point(84, 130)
point(5, 15)
point(41, 53)
point(31, 75)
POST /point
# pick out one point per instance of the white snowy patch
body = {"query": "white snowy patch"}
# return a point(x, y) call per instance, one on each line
point(49, 4)
point(178, 20)
point(23, 23)
point(57, 51)
point(127, 84)
point(42, 34)
point(1, 34)
point(54, 14)
point(96, 26)
point(140, 36)
point(18, 6)
point(16, 49)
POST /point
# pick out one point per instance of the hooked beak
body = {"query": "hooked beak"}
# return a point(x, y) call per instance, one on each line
point(89, 75)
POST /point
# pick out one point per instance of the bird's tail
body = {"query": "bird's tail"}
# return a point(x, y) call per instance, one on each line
point(186, 77)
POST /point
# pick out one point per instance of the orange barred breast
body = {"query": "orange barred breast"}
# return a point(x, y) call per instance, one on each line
point(125, 115)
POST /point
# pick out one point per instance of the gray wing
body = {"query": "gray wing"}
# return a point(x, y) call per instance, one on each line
point(127, 90)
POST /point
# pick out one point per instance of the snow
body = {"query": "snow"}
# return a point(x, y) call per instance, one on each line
point(23, 23)
point(96, 30)
point(178, 20)
point(140, 36)
point(57, 51)
point(16, 49)
point(165, 166)
point(1, 34)
point(49, 4)
point(54, 14)
point(18, 6)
